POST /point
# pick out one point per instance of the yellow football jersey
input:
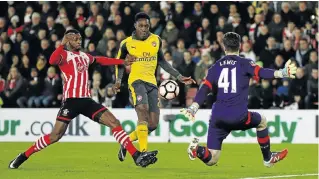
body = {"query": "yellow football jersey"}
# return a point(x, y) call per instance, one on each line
point(146, 53)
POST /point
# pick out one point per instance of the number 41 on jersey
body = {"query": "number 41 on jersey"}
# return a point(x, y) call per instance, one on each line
point(223, 81)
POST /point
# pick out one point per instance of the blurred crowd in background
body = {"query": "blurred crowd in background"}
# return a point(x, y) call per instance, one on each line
point(191, 32)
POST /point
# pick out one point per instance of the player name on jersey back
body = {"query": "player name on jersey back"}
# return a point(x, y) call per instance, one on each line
point(227, 62)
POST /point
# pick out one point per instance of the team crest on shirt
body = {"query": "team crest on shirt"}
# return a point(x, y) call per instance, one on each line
point(65, 112)
point(81, 67)
point(154, 44)
point(139, 98)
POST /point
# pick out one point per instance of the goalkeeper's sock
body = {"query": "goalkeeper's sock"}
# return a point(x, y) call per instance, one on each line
point(133, 136)
point(40, 144)
point(122, 138)
point(142, 135)
point(203, 154)
point(264, 142)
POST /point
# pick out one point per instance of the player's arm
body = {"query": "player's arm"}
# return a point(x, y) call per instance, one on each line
point(169, 69)
point(205, 88)
point(256, 71)
point(60, 54)
point(119, 69)
point(121, 54)
point(106, 61)
point(57, 56)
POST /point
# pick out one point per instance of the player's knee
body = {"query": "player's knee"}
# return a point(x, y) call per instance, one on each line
point(213, 161)
point(143, 108)
point(152, 127)
point(263, 123)
point(215, 157)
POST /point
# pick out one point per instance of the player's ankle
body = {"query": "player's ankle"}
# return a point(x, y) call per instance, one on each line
point(136, 154)
point(267, 159)
point(203, 154)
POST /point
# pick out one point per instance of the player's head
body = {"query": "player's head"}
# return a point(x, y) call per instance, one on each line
point(142, 25)
point(231, 42)
point(76, 43)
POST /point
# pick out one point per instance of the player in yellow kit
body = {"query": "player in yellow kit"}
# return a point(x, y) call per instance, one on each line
point(146, 48)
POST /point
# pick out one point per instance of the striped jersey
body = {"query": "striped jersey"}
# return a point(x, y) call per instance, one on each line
point(74, 67)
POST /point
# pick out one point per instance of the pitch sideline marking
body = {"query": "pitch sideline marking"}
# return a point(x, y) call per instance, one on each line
point(284, 176)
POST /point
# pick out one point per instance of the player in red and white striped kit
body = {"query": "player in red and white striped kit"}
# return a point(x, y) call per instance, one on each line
point(77, 100)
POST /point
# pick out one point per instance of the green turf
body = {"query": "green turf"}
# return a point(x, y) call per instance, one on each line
point(99, 161)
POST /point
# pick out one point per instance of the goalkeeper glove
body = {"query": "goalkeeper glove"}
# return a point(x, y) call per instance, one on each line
point(288, 71)
point(190, 111)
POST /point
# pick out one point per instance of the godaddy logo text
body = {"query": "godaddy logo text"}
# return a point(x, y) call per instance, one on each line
point(179, 127)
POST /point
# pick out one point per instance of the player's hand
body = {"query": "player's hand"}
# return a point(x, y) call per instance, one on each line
point(67, 38)
point(129, 60)
point(116, 87)
point(190, 111)
point(188, 114)
point(289, 70)
point(186, 80)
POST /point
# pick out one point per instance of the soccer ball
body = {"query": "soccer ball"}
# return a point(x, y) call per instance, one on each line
point(168, 89)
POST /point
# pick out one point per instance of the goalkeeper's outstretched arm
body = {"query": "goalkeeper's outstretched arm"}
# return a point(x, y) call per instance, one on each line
point(288, 71)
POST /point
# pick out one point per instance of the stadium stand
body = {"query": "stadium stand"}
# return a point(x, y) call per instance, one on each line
point(272, 33)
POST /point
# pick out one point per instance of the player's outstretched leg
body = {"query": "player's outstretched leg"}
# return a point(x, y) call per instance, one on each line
point(43, 142)
point(270, 158)
point(152, 125)
point(208, 156)
point(142, 159)
point(141, 132)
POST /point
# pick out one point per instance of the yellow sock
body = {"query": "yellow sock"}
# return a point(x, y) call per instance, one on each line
point(133, 136)
point(142, 135)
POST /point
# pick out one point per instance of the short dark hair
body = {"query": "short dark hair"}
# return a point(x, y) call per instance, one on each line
point(231, 41)
point(141, 15)
point(72, 31)
point(168, 52)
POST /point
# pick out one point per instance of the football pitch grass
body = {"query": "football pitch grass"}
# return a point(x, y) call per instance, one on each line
point(99, 161)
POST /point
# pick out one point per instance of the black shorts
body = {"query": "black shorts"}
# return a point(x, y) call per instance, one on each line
point(73, 107)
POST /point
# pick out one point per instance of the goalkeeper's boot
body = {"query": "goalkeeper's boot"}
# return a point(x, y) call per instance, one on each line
point(15, 163)
point(144, 159)
point(276, 157)
point(192, 148)
point(122, 153)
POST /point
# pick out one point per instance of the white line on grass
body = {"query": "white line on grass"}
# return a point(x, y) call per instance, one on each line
point(284, 176)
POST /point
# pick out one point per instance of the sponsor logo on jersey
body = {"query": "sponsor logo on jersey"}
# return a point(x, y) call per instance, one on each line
point(81, 67)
